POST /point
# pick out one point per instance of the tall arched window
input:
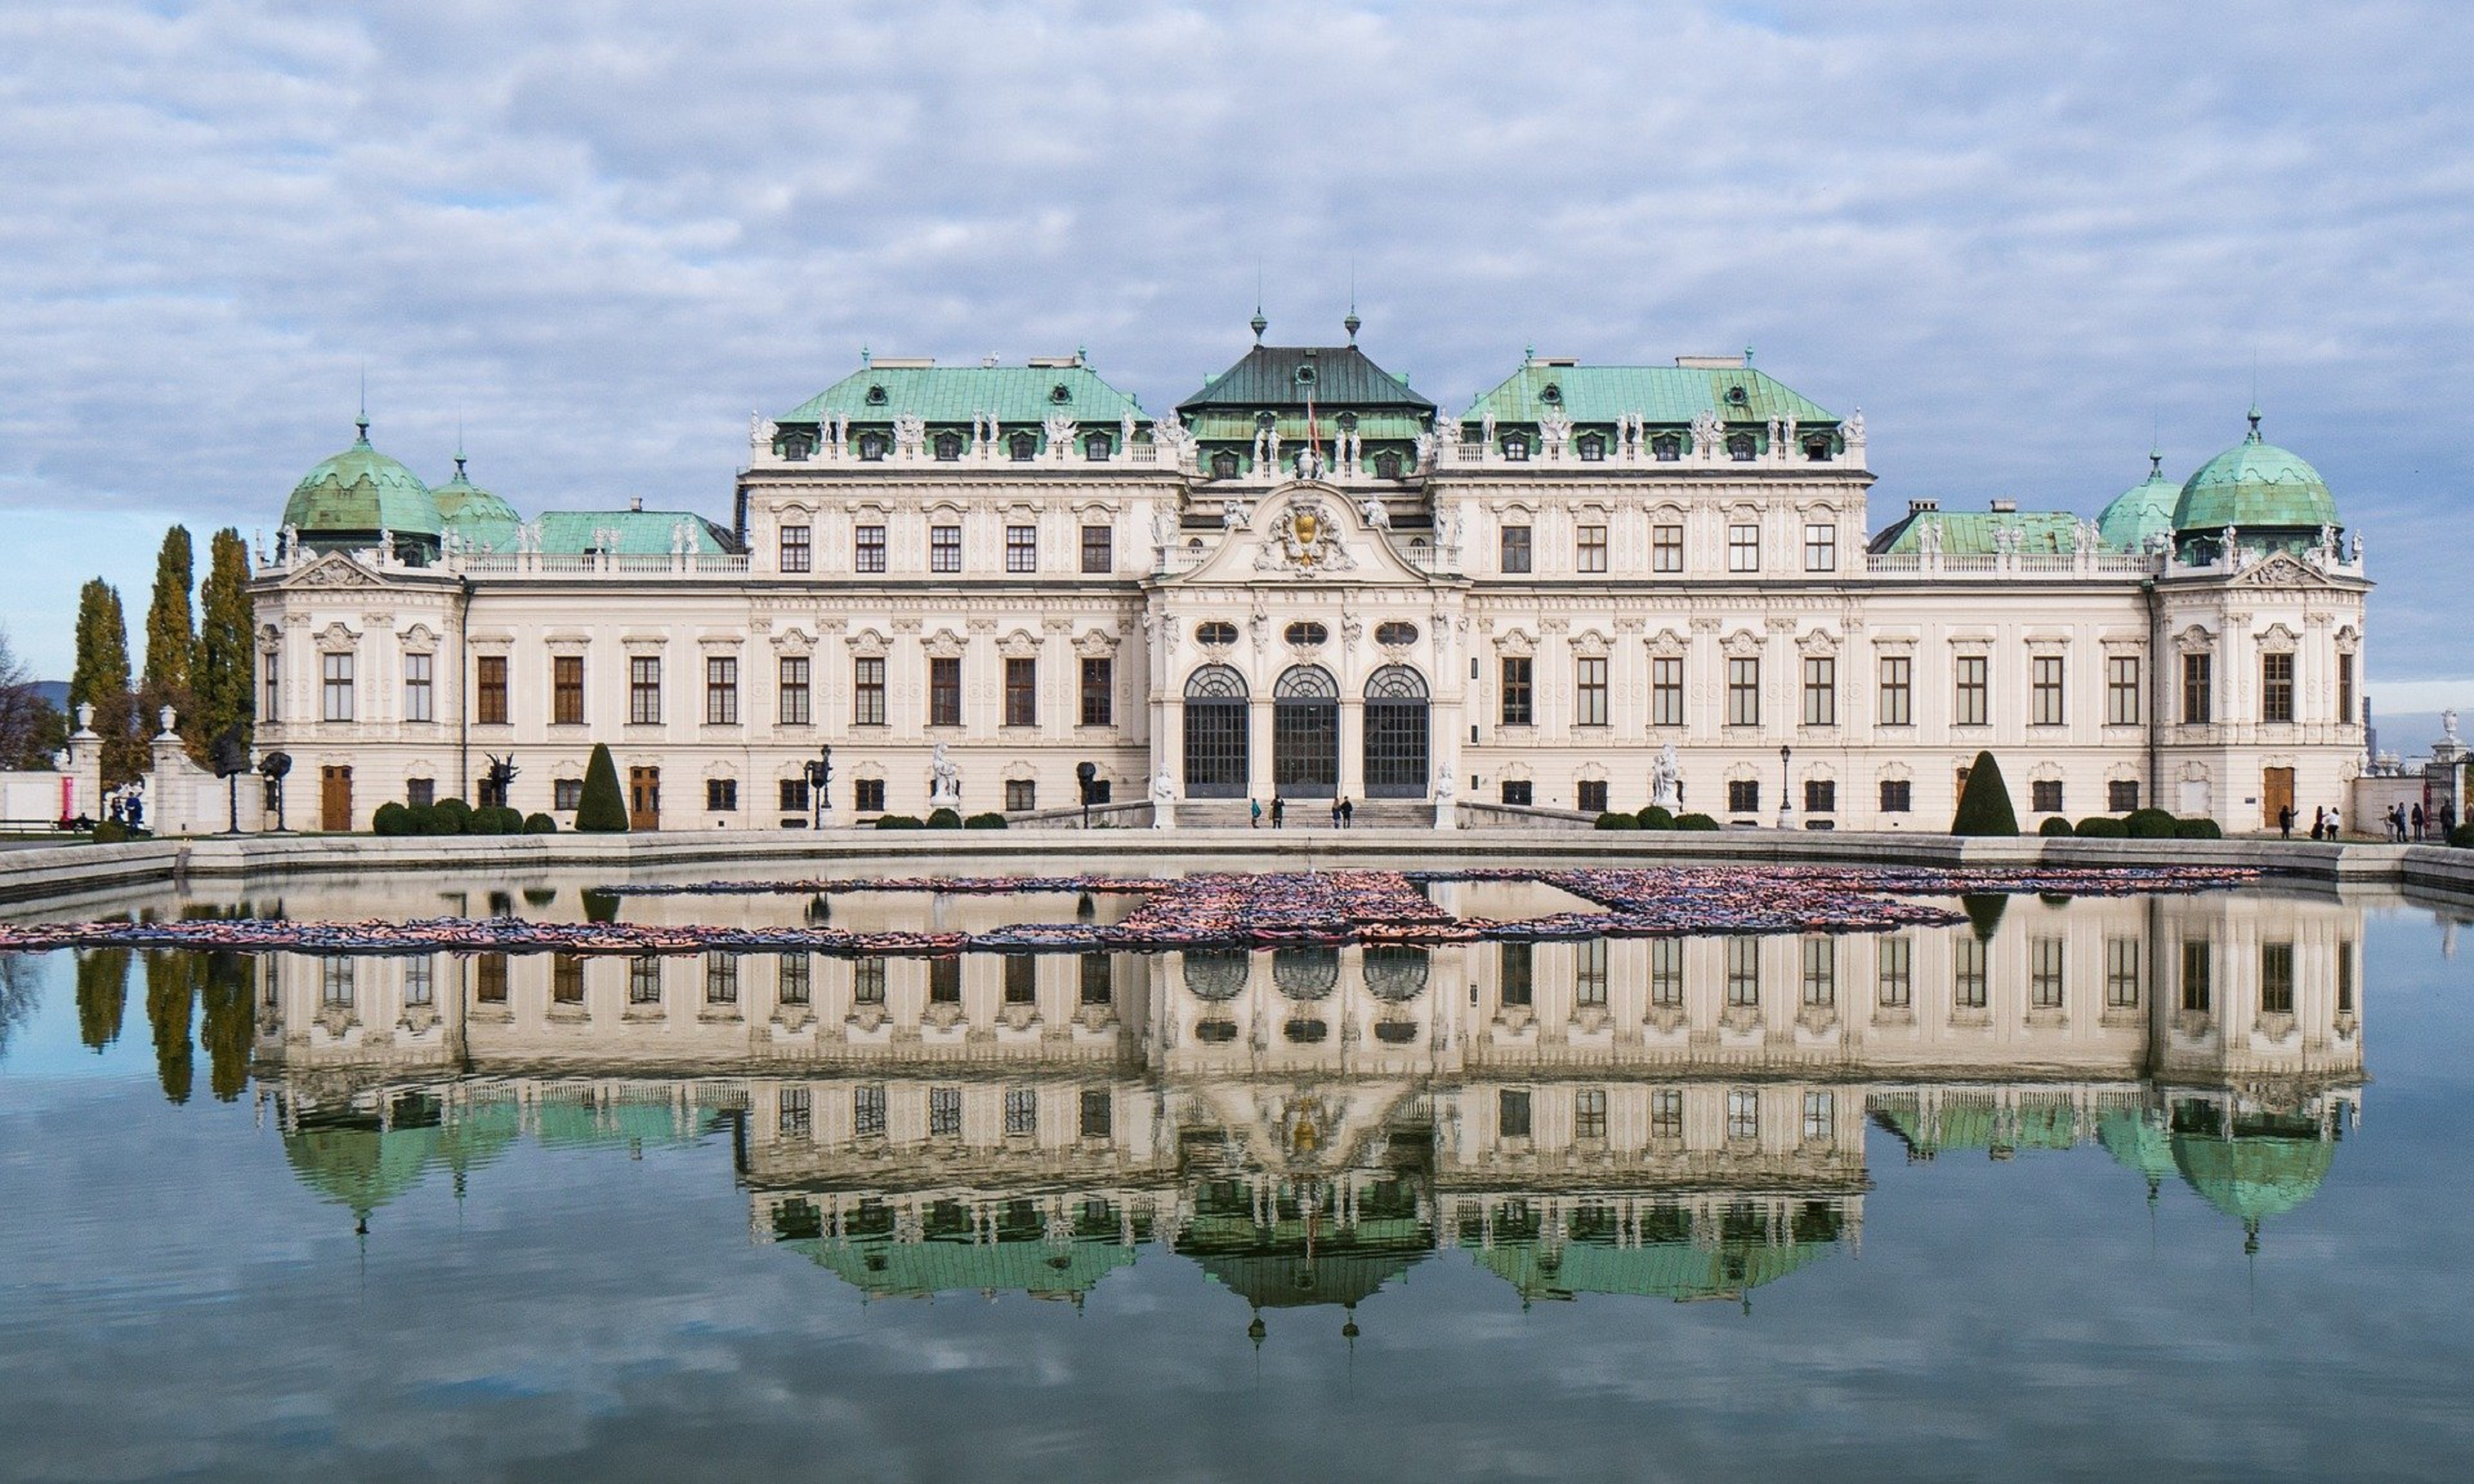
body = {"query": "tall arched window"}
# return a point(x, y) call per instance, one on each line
point(1216, 733)
point(1395, 744)
point(1305, 732)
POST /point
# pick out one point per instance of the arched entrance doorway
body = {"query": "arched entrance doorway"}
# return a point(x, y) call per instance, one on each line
point(1215, 733)
point(1395, 733)
point(1305, 732)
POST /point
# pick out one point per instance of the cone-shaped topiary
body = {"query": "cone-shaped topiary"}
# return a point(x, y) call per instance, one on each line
point(1984, 805)
point(603, 809)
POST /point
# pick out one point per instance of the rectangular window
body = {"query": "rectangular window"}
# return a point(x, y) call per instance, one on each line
point(798, 556)
point(1666, 972)
point(270, 694)
point(867, 692)
point(1967, 961)
point(1515, 549)
point(489, 979)
point(337, 670)
point(1897, 691)
point(1590, 974)
point(1743, 973)
point(1820, 973)
point(2121, 691)
point(2276, 978)
point(1971, 701)
point(945, 981)
point(867, 795)
point(1666, 1114)
point(722, 795)
point(2346, 691)
point(2276, 687)
point(1022, 548)
point(1820, 1118)
point(1667, 548)
point(2199, 688)
point(1593, 796)
point(722, 978)
point(1099, 550)
point(1590, 680)
point(417, 691)
point(2344, 977)
point(644, 980)
point(1021, 979)
point(1099, 1114)
point(566, 793)
point(1743, 796)
point(567, 979)
point(2122, 796)
point(720, 691)
point(420, 792)
point(2045, 796)
point(1590, 549)
point(1744, 691)
point(1099, 690)
point(1743, 548)
point(567, 690)
point(797, 1118)
point(1743, 1112)
point(2045, 973)
point(1666, 691)
point(795, 797)
point(2122, 973)
point(1895, 973)
point(867, 981)
point(2045, 690)
point(1898, 796)
point(644, 691)
point(336, 981)
point(867, 1111)
point(944, 548)
point(1021, 795)
point(1511, 1112)
point(944, 1112)
point(1517, 791)
point(794, 690)
point(1820, 796)
point(419, 980)
point(868, 549)
point(1515, 964)
point(1589, 1113)
point(1820, 691)
point(944, 690)
point(1021, 1112)
point(2197, 976)
point(1518, 709)
point(1820, 548)
point(1022, 692)
point(1098, 987)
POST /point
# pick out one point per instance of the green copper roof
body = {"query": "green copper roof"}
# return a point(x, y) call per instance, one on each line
point(361, 490)
point(2253, 485)
point(475, 512)
point(1969, 533)
point(2136, 1143)
point(1961, 1122)
point(1283, 376)
point(957, 393)
point(886, 1268)
point(1236, 427)
point(641, 533)
point(2141, 511)
point(1682, 1271)
point(1673, 395)
point(2250, 1176)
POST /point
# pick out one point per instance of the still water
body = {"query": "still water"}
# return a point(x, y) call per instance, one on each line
point(2078, 1187)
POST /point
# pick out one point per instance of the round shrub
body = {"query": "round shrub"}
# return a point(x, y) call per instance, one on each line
point(540, 825)
point(2055, 827)
point(2101, 826)
point(2463, 837)
point(2198, 830)
point(2148, 824)
point(989, 821)
point(486, 822)
point(419, 818)
point(392, 819)
point(1614, 821)
point(1695, 822)
point(944, 818)
point(898, 822)
point(440, 822)
point(1656, 815)
point(453, 815)
point(112, 833)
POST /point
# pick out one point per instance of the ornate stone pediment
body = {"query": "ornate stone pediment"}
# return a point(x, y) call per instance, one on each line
point(2281, 570)
point(1303, 539)
point(332, 571)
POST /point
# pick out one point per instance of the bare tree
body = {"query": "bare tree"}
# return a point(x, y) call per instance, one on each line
point(30, 728)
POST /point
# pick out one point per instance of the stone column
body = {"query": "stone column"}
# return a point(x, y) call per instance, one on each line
point(1259, 749)
point(1352, 746)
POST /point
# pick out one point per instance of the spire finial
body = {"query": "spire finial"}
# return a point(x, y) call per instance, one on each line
point(361, 419)
point(1259, 324)
point(2253, 414)
point(459, 443)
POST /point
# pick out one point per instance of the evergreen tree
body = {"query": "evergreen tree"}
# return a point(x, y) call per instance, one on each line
point(102, 995)
point(230, 1024)
point(171, 638)
point(101, 680)
point(220, 682)
point(1984, 805)
point(603, 809)
point(171, 1006)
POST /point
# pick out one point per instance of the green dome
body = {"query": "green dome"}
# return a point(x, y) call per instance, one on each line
point(2142, 510)
point(473, 512)
point(361, 491)
point(2253, 1177)
point(2255, 486)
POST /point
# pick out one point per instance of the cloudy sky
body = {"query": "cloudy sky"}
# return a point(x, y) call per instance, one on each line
point(599, 235)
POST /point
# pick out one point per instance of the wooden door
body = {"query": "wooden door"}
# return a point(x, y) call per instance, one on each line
point(334, 799)
point(2275, 793)
point(644, 798)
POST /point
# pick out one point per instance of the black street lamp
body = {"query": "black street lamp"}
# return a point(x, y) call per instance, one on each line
point(1786, 786)
point(821, 782)
point(1085, 772)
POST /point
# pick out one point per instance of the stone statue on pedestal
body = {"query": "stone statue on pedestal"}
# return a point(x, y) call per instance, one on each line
point(944, 782)
point(1667, 780)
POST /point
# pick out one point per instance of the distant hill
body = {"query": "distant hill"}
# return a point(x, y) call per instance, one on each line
point(57, 692)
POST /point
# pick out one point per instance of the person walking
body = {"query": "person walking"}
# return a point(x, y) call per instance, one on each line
point(2416, 818)
point(1347, 812)
point(2285, 822)
point(1279, 810)
point(1335, 813)
point(2319, 823)
point(1254, 814)
point(2447, 818)
point(2396, 824)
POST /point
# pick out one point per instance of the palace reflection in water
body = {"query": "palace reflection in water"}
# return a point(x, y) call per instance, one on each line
point(1682, 1118)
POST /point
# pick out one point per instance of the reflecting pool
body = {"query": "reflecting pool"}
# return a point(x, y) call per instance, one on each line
point(2075, 1186)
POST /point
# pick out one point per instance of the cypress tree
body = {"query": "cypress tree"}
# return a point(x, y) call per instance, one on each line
point(170, 1005)
point(171, 637)
point(1984, 805)
point(101, 680)
point(603, 809)
point(102, 995)
point(230, 1024)
point(220, 682)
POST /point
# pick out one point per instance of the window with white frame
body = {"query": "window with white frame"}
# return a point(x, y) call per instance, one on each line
point(797, 553)
point(336, 671)
point(644, 690)
point(2121, 691)
point(1744, 691)
point(1590, 681)
point(1590, 549)
point(2045, 690)
point(1667, 548)
point(1898, 691)
point(794, 691)
point(418, 691)
point(1022, 548)
point(1743, 548)
point(1820, 690)
point(1820, 547)
point(720, 690)
point(1666, 690)
point(1970, 700)
point(944, 548)
point(868, 549)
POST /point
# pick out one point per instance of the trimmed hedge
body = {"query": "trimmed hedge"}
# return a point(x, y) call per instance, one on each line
point(603, 809)
point(112, 833)
point(1655, 816)
point(2198, 830)
point(2149, 825)
point(392, 819)
point(944, 818)
point(1695, 822)
point(2101, 826)
point(1984, 806)
point(988, 820)
point(899, 822)
point(453, 815)
point(2056, 826)
point(2463, 837)
point(540, 825)
point(1610, 820)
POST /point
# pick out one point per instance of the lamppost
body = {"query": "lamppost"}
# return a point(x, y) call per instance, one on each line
point(820, 782)
point(1786, 789)
point(1085, 772)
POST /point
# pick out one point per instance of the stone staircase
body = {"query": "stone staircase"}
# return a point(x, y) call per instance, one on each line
point(1308, 814)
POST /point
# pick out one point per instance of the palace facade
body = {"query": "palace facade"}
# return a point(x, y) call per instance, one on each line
point(1310, 582)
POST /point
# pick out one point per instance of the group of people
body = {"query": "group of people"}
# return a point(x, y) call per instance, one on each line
point(1344, 813)
point(2323, 823)
point(2407, 824)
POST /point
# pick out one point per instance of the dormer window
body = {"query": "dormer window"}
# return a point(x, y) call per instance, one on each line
point(1060, 394)
point(876, 397)
point(796, 448)
point(1516, 448)
point(1387, 465)
point(1816, 449)
point(1347, 421)
point(1551, 394)
point(1225, 466)
point(1095, 447)
point(949, 447)
point(1305, 375)
point(1739, 447)
point(872, 446)
point(1737, 397)
point(1263, 421)
point(1024, 446)
point(1593, 449)
point(1667, 448)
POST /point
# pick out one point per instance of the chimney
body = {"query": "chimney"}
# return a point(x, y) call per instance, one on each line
point(636, 502)
point(1923, 506)
point(2006, 507)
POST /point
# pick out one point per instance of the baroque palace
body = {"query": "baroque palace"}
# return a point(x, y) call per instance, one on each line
point(1310, 582)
